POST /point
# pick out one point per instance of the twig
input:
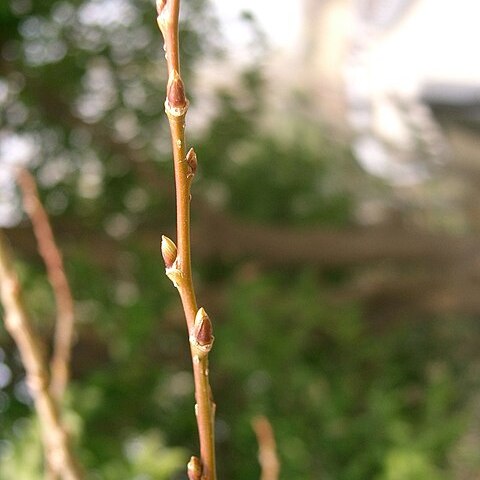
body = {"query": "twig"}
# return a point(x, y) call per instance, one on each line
point(17, 323)
point(177, 258)
point(267, 450)
point(60, 363)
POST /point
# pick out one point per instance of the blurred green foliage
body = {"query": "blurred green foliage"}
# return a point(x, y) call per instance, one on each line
point(346, 401)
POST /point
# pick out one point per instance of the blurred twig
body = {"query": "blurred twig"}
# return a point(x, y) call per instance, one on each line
point(60, 363)
point(267, 448)
point(55, 439)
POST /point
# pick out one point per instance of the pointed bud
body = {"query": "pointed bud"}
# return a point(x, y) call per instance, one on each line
point(169, 252)
point(203, 328)
point(194, 469)
point(192, 162)
point(202, 337)
point(161, 18)
point(176, 103)
point(160, 6)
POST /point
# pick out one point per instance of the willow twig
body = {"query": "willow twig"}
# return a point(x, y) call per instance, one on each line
point(47, 247)
point(55, 439)
point(177, 257)
point(267, 449)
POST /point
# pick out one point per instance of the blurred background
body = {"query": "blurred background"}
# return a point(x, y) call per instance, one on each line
point(336, 220)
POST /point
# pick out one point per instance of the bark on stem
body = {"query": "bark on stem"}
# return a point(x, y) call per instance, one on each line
point(55, 438)
point(176, 106)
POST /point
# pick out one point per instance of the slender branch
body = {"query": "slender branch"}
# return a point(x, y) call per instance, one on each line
point(60, 363)
point(267, 450)
point(55, 439)
point(177, 258)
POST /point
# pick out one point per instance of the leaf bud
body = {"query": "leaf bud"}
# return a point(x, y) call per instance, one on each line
point(169, 251)
point(202, 337)
point(192, 162)
point(194, 469)
point(176, 101)
point(160, 6)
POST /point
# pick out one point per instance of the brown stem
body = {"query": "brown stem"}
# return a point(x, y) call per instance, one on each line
point(267, 450)
point(52, 257)
point(55, 439)
point(180, 271)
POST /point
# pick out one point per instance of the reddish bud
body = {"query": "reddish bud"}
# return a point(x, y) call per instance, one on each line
point(176, 93)
point(194, 469)
point(192, 162)
point(202, 330)
point(169, 251)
